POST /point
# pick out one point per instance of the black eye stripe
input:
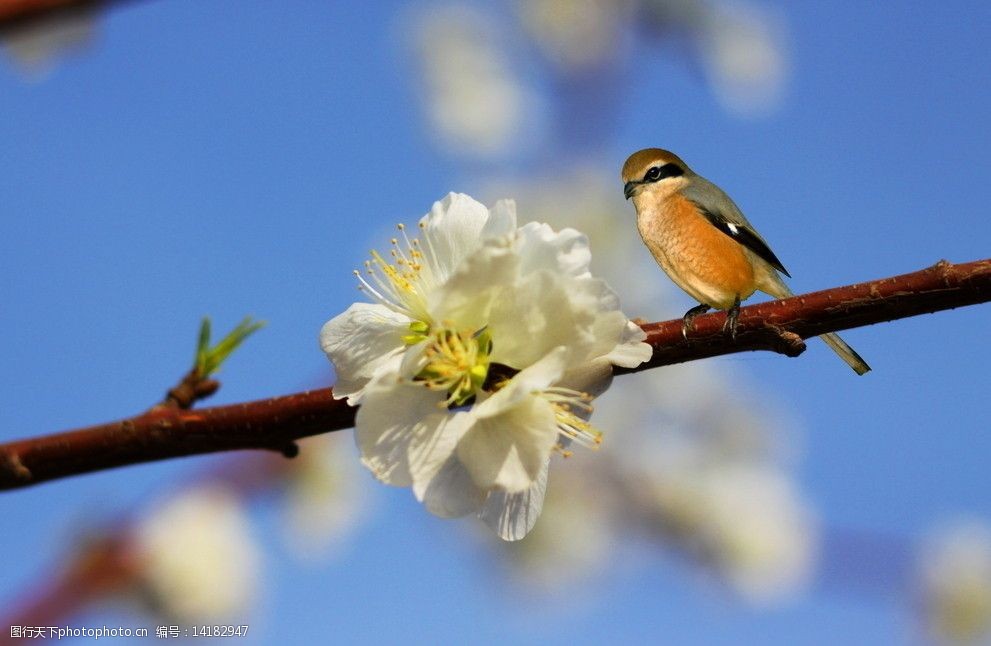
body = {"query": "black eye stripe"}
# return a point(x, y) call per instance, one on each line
point(657, 173)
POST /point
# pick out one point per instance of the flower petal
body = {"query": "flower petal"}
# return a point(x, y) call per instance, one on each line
point(359, 341)
point(631, 350)
point(452, 231)
point(403, 432)
point(428, 452)
point(502, 220)
point(508, 450)
point(413, 361)
point(543, 310)
point(466, 298)
point(593, 377)
point(451, 492)
point(540, 375)
point(565, 251)
point(513, 515)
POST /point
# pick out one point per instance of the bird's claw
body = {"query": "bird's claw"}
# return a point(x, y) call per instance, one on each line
point(731, 318)
point(689, 318)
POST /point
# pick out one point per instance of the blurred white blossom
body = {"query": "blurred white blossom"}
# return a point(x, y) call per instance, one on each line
point(746, 522)
point(324, 500)
point(745, 57)
point(955, 583)
point(740, 45)
point(707, 477)
point(506, 320)
point(476, 103)
point(576, 531)
point(704, 485)
point(576, 33)
point(198, 559)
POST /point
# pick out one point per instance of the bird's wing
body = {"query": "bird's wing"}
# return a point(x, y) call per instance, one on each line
point(720, 210)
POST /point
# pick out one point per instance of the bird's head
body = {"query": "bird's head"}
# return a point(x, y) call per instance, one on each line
point(655, 171)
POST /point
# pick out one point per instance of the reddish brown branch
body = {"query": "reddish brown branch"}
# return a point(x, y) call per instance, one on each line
point(15, 13)
point(165, 432)
point(779, 326)
point(17, 16)
point(14, 10)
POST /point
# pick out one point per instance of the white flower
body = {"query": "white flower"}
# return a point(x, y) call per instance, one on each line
point(477, 103)
point(324, 503)
point(576, 537)
point(745, 57)
point(481, 312)
point(365, 337)
point(198, 559)
point(576, 34)
point(955, 582)
point(758, 531)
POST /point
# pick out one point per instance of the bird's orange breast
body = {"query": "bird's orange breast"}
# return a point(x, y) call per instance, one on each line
point(701, 259)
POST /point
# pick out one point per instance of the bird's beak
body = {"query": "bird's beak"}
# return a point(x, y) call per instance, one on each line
point(629, 188)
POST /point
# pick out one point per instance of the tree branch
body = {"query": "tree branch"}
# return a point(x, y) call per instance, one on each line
point(779, 326)
point(16, 13)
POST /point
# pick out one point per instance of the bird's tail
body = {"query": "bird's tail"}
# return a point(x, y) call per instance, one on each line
point(832, 339)
point(846, 353)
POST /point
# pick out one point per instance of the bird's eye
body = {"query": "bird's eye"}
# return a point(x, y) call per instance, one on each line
point(657, 173)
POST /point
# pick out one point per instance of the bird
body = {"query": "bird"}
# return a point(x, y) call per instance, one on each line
point(703, 242)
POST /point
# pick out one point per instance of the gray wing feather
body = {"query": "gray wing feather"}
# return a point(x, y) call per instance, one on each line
point(726, 216)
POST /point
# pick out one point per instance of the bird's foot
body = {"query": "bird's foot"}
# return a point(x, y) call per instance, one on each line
point(689, 318)
point(731, 318)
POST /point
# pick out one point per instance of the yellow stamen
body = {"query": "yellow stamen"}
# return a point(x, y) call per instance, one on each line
point(456, 363)
point(569, 424)
point(401, 285)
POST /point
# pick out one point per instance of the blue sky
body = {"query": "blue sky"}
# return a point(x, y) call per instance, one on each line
point(237, 158)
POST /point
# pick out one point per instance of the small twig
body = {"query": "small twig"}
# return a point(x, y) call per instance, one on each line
point(196, 384)
point(187, 392)
point(276, 423)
